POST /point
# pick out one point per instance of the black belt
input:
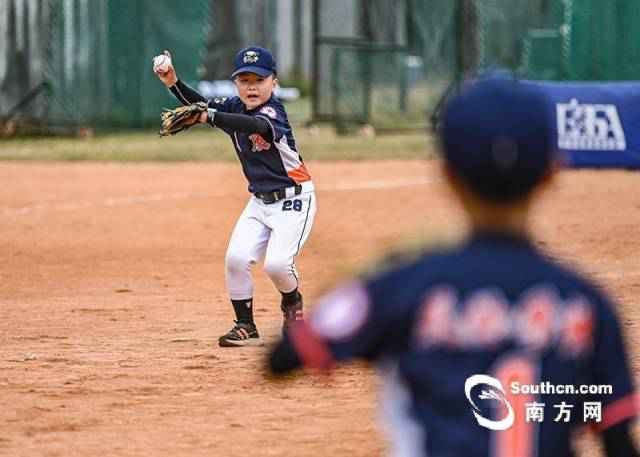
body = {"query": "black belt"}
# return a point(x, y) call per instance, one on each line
point(276, 195)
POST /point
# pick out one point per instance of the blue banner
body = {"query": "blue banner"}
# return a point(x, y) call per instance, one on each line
point(598, 124)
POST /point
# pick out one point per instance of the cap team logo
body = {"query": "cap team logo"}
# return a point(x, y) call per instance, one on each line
point(589, 127)
point(496, 393)
point(250, 57)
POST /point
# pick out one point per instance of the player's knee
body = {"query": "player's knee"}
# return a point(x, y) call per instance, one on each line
point(277, 267)
point(237, 261)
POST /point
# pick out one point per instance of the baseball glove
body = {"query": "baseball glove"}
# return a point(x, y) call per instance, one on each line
point(181, 118)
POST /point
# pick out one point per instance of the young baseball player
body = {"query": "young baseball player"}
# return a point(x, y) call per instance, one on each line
point(458, 333)
point(278, 218)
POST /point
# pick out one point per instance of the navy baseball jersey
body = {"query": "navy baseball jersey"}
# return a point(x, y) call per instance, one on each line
point(267, 165)
point(485, 349)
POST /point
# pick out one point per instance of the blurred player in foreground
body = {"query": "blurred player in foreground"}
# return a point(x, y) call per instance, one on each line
point(465, 336)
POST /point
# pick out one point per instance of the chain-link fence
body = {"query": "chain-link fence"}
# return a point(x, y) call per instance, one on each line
point(587, 40)
point(363, 69)
point(383, 62)
point(387, 62)
point(605, 40)
point(23, 56)
point(100, 52)
point(236, 24)
point(88, 63)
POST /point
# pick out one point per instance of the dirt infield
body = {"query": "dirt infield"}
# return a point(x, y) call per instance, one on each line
point(112, 297)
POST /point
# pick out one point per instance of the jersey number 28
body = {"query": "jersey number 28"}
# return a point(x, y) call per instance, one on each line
point(295, 205)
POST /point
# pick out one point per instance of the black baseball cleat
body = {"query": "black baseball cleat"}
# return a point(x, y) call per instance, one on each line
point(242, 334)
point(291, 312)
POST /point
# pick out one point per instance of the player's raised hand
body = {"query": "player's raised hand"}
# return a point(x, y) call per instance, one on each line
point(163, 68)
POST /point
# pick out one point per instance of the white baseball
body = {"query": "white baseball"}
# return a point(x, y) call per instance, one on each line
point(161, 64)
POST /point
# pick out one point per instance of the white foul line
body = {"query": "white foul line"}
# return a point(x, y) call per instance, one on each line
point(380, 184)
point(107, 202)
point(142, 199)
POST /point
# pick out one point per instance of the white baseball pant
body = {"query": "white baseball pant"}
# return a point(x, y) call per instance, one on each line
point(275, 232)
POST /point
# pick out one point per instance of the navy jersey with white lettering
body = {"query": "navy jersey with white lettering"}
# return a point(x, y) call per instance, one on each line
point(494, 306)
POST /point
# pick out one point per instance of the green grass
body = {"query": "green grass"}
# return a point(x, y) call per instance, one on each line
point(204, 144)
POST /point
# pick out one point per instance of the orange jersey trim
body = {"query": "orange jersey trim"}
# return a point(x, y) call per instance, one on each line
point(300, 174)
point(313, 352)
point(618, 411)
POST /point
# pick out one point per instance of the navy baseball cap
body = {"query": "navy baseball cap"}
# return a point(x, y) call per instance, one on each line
point(254, 59)
point(497, 136)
